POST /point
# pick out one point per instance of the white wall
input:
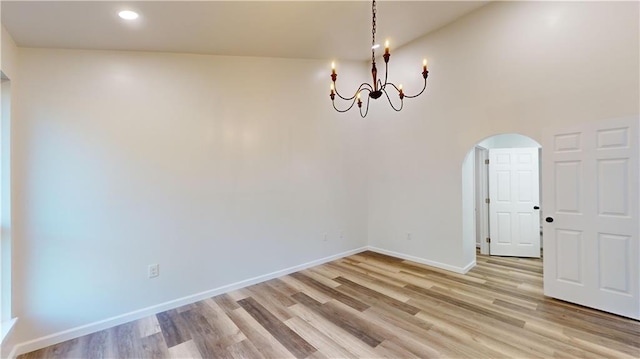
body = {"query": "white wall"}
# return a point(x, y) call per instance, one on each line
point(219, 169)
point(5, 201)
point(510, 67)
point(508, 140)
point(468, 199)
point(8, 66)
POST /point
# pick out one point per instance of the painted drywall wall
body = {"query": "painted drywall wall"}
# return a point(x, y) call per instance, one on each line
point(8, 67)
point(5, 201)
point(468, 193)
point(218, 169)
point(510, 67)
point(508, 140)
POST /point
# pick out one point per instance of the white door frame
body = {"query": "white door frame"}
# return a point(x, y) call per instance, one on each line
point(481, 194)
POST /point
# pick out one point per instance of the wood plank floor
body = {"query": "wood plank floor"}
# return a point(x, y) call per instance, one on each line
point(374, 306)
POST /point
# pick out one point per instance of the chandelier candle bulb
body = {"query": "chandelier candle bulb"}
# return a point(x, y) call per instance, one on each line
point(424, 65)
point(386, 47)
point(334, 76)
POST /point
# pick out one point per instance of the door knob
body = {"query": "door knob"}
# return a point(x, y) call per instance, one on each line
point(549, 219)
point(536, 207)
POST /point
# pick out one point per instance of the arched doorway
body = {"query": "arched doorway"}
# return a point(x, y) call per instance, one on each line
point(476, 219)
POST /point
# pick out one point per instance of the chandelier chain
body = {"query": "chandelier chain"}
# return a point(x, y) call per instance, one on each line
point(373, 31)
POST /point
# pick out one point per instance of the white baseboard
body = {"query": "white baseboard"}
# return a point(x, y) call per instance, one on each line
point(5, 328)
point(52, 339)
point(461, 270)
point(468, 267)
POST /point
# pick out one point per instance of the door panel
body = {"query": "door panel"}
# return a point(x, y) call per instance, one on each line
point(590, 189)
point(504, 187)
point(567, 142)
point(614, 260)
point(613, 187)
point(504, 228)
point(514, 192)
point(569, 248)
point(526, 221)
point(567, 186)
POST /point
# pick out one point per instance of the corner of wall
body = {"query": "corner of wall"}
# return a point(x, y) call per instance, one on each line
point(8, 346)
point(8, 53)
point(461, 270)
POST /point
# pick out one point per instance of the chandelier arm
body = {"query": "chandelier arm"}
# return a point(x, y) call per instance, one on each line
point(366, 109)
point(363, 86)
point(419, 93)
point(342, 111)
point(395, 87)
point(368, 89)
point(391, 103)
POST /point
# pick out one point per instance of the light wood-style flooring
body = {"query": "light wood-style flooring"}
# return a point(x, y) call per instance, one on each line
point(374, 306)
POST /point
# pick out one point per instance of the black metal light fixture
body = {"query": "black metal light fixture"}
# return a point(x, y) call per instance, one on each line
point(378, 88)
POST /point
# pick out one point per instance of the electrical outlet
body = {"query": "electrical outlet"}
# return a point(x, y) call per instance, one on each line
point(154, 270)
point(326, 237)
point(408, 236)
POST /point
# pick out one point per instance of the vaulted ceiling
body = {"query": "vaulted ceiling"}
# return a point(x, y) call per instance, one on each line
point(291, 29)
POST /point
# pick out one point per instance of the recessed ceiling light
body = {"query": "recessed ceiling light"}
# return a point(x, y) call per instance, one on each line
point(128, 15)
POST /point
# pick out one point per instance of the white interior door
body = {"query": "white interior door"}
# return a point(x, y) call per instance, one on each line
point(514, 193)
point(590, 192)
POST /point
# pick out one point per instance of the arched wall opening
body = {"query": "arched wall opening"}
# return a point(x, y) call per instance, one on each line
point(475, 189)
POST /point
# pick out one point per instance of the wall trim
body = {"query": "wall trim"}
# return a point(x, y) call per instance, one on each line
point(461, 270)
point(5, 328)
point(59, 337)
point(468, 267)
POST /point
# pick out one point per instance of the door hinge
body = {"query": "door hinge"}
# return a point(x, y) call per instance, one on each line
point(486, 162)
point(487, 200)
point(488, 240)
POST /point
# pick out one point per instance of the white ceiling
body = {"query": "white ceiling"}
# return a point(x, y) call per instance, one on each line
point(292, 29)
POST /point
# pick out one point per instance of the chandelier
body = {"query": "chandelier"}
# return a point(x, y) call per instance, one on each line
point(377, 88)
